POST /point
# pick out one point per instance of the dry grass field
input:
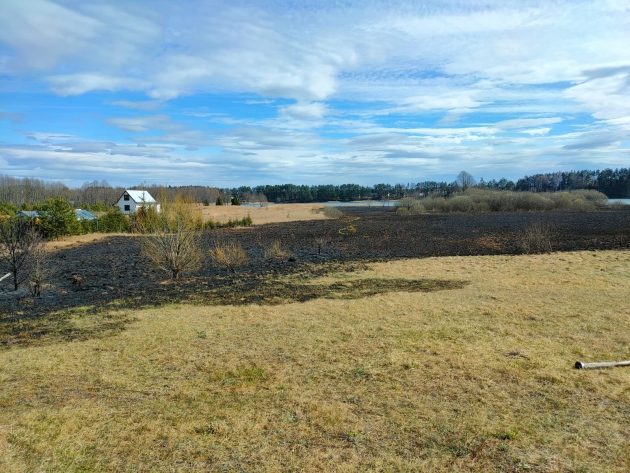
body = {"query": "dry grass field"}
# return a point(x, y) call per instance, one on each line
point(72, 241)
point(477, 377)
point(270, 213)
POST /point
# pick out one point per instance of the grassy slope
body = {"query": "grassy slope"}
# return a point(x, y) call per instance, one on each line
point(472, 379)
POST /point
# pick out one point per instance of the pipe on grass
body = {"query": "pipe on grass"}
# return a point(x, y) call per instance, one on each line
point(581, 365)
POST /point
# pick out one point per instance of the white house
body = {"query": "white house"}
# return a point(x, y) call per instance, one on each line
point(131, 200)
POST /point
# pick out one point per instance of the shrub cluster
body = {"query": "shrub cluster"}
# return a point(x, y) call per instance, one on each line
point(243, 222)
point(274, 251)
point(229, 255)
point(537, 238)
point(332, 212)
point(479, 200)
point(410, 206)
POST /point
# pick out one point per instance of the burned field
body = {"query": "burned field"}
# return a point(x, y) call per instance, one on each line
point(111, 272)
point(391, 361)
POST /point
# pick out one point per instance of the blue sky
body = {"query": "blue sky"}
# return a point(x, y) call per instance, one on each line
point(258, 92)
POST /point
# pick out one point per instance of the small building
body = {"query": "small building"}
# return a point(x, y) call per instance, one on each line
point(131, 200)
point(84, 215)
point(34, 214)
point(31, 214)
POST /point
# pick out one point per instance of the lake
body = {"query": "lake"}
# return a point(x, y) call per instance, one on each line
point(362, 203)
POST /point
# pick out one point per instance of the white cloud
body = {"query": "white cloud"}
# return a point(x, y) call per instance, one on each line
point(142, 124)
point(527, 122)
point(453, 100)
point(144, 105)
point(606, 97)
point(536, 131)
point(42, 32)
point(304, 111)
point(77, 84)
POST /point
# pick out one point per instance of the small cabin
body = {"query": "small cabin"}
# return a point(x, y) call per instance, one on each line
point(131, 200)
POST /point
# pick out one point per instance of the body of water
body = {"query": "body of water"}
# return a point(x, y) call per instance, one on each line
point(387, 203)
point(336, 203)
point(362, 203)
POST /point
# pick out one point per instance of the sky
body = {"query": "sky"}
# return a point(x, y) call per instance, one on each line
point(230, 93)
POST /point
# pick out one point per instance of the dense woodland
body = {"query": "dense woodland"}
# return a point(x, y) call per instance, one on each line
point(27, 192)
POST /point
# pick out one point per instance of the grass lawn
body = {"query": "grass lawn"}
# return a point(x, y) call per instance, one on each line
point(475, 377)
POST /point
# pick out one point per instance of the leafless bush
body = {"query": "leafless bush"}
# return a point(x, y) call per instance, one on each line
point(20, 247)
point(537, 238)
point(229, 255)
point(332, 212)
point(77, 282)
point(320, 243)
point(172, 241)
point(483, 200)
point(410, 206)
point(274, 251)
point(349, 229)
point(322, 239)
point(37, 274)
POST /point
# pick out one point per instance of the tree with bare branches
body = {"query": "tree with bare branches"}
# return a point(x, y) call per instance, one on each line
point(465, 180)
point(21, 249)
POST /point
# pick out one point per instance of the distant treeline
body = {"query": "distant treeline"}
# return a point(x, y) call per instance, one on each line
point(98, 195)
point(614, 183)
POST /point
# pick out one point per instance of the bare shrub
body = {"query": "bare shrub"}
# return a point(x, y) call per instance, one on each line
point(409, 205)
point(332, 212)
point(483, 200)
point(349, 229)
point(229, 255)
point(274, 251)
point(434, 204)
point(460, 203)
point(37, 274)
point(20, 246)
point(537, 238)
point(172, 241)
point(322, 240)
point(592, 195)
point(573, 201)
point(320, 243)
point(532, 201)
point(77, 281)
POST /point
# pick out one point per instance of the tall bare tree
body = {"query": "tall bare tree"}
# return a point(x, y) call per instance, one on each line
point(21, 247)
point(465, 180)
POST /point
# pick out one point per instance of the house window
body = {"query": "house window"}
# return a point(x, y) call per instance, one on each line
point(127, 208)
point(126, 197)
